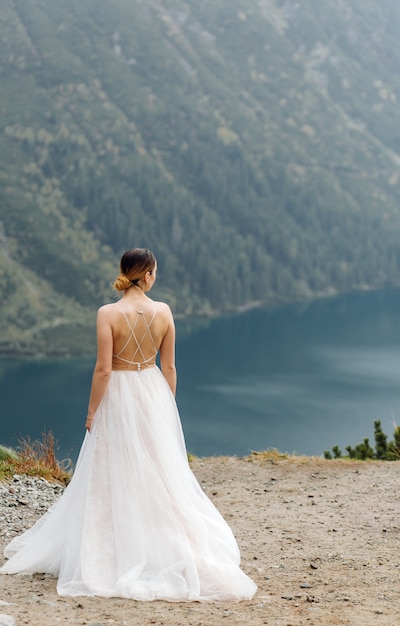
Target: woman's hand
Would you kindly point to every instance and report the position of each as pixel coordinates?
(89, 423)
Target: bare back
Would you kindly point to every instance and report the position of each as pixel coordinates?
(137, 335)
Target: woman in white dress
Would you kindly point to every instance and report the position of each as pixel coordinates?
(134, 522)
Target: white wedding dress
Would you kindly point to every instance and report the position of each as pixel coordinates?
(134, 522)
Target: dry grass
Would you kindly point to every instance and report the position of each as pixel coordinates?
(272, 454)
(35, 458)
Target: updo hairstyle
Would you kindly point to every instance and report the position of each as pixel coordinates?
(134, 265)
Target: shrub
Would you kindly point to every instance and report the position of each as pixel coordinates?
(383, 451)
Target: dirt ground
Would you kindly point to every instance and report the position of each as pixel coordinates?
(320, 538)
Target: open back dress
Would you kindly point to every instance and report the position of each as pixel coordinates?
(134, 522)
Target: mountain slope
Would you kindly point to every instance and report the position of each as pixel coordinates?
(254, 148)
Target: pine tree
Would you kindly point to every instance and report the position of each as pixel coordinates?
(381, 446)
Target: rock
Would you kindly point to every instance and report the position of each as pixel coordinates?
(23, 500)
(6, 620)
(305, 586)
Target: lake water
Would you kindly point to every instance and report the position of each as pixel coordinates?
(299, 378)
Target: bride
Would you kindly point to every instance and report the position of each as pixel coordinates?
(134, 522)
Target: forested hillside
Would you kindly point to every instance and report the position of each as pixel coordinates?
(254, 145)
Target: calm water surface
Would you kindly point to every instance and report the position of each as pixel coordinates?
(298, 378)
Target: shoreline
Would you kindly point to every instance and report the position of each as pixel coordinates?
(209, 315)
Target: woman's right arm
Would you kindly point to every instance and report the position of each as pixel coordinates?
(167, 352)
(102, 370)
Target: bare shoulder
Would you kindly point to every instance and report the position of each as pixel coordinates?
(107, 311)
(164, 309)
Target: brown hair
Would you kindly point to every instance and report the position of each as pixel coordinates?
(134, 264)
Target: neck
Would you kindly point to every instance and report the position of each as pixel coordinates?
(136, 289)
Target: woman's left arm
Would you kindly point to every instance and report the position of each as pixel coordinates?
(103, 367)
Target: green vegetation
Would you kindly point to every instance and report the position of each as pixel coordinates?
(34, 458)
(383, 451)
(254, 147)
(7, 453)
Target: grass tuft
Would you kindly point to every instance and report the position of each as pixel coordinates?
(272, 454)
(7, 453)
(35, 458)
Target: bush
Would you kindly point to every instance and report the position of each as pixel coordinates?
(383, 451)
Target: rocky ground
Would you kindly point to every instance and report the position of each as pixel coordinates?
(320, 538)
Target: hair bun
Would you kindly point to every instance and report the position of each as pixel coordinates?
(122, 282)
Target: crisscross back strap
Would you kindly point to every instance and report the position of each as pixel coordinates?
(132, 337)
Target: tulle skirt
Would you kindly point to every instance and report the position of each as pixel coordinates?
(134, 522)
